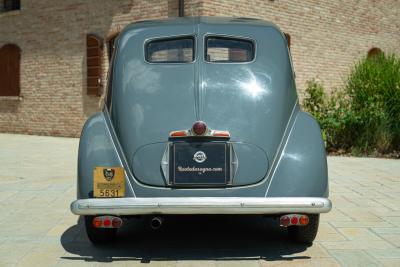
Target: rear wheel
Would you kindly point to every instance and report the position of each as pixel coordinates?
(99, 236)
(305, 234)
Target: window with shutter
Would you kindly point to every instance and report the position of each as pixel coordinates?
(10, 57)
(94, 52)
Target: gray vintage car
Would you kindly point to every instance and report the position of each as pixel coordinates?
(201, 116)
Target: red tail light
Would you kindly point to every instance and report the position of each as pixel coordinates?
(107, 222)
(199, 128)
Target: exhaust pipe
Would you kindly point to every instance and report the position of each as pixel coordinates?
(156, 223)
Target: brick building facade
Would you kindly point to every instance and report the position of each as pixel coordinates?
(55, 95)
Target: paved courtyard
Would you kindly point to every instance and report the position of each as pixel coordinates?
(37, 184)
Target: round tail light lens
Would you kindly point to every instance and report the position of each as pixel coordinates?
(107, 222)
(285, 220)
(199, 128)
(294, 220)
(304, 220)
(97, 222)
(116, 222)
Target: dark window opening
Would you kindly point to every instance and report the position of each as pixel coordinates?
(109, 86)
(10, 60)
(288, 39)
(111, 45)
(373, 52)
(227, 50)
(172, 50)
(94, 52)
(10, 5)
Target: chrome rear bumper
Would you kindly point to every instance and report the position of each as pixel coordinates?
(200, 205)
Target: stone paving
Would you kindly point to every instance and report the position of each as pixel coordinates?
(37, 184)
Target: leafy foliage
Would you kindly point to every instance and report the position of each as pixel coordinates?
(364, 116)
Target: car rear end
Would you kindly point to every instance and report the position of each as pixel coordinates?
(201, 117)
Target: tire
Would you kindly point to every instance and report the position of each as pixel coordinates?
(305, 234)
(99, 236)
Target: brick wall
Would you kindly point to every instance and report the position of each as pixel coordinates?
(52, 37)
(326, 39)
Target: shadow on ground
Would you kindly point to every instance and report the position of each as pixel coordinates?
(188, 238)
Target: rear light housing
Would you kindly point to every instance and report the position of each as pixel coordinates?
(293, 219)
(200, 129)
(107, 222)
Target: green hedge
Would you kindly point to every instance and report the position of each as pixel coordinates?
(363, 117)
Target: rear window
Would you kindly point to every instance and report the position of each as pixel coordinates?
(221, 49)
(176, 50)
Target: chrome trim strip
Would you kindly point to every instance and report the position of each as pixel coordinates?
(281, 147)
(118, 148)
(200, 205)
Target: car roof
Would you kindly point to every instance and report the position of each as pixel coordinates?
(215, 21)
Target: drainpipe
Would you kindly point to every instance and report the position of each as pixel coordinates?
(181, 8)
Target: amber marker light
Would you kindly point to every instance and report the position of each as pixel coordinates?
(221, 134)
(199, 128)
(97, 222)
(178, 134)
(304, 220)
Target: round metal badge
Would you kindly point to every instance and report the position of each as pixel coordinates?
(199, 157)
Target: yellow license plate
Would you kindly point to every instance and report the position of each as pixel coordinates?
(108, 182)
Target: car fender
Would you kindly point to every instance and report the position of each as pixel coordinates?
(96, 148)
(302, 168)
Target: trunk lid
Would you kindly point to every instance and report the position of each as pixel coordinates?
(253, 101)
